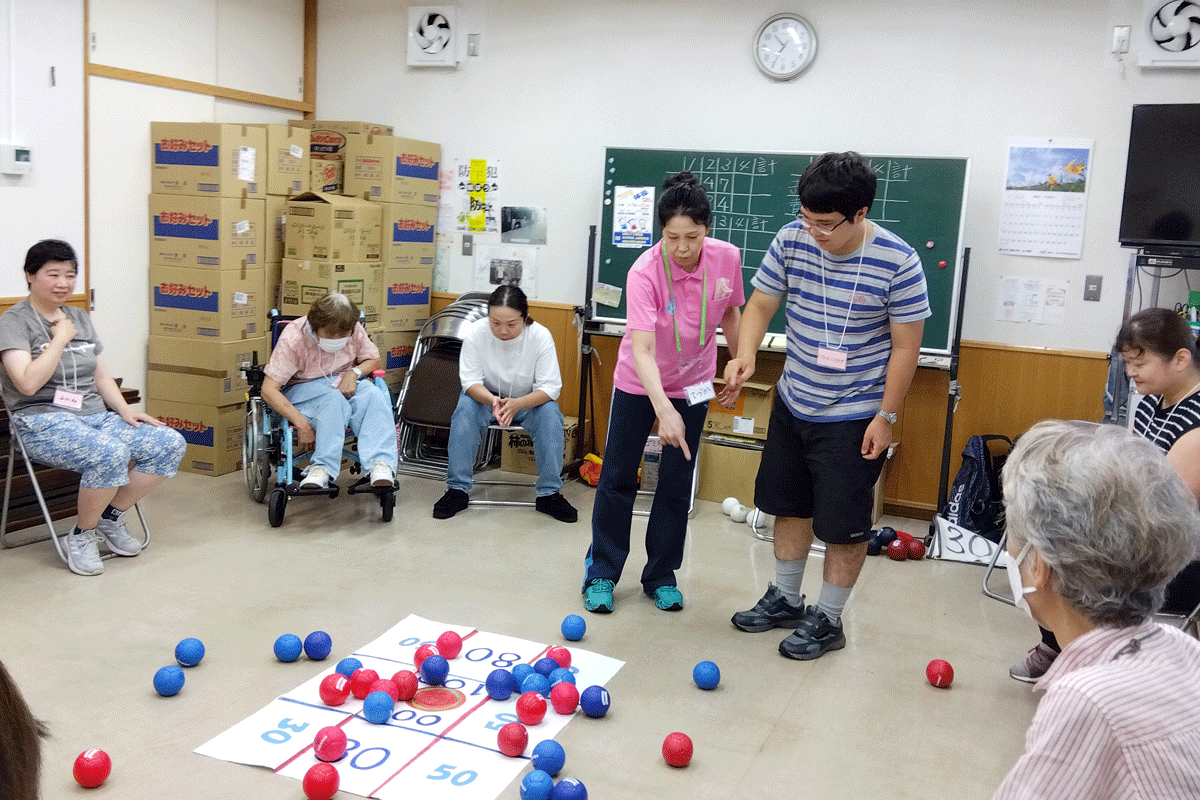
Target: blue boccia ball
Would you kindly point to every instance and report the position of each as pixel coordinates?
(537, 785)
(521, 672)
(347, 666)
(549, 757)
(434, 670)
(288, 647)
(378, 707)
(536, 683)
(573, 627)
(500, 684)
(544, 666)
(189, 652)
(569, 789)
(317, 645)
(168, 681)
(594, 701)
(560, 675)
(706, 675)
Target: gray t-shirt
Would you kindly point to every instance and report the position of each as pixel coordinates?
(22, 328)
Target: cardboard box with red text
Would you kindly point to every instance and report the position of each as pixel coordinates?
(327, 148)
(207, 304)
(516, 453)
(208, 159)
(406, 298)
(213, 434)
(206, 232)
(392, 169)
(408, 235)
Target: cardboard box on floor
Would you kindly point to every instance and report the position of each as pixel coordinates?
(288, 163)
(327, 148)
(396, 351)
(408, 235)
(206, 232)
(516, 452)
(304, 281)
(207, 372)
(748, 417)
(206, 304)
(406, 298)
(275, 227)
(329, 227)
(213, 434)
(208, 159)
(392, 169)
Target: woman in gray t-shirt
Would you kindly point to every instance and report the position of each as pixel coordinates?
(57, 387)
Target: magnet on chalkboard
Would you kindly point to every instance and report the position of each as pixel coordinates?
(929, 244)
(941, 265)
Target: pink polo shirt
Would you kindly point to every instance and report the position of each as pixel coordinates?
(646, 300)
(297, 358)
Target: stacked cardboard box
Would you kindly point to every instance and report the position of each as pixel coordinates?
(327, 148)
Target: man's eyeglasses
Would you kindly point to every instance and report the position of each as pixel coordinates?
(813, 227)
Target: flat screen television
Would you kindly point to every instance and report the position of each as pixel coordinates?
(1161, 206)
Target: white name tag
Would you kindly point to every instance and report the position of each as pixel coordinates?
(65, 399)
(700, 393)
(833, 359)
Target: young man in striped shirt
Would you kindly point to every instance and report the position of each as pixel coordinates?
(856, 309)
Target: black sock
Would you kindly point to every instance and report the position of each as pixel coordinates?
(111, 513)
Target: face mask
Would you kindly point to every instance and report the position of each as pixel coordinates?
(332, 345)
(1013, 567)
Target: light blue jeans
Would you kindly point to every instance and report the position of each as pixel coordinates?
(368, 414)
(471, 418)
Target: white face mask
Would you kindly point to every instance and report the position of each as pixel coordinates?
(1013, 567)
(332, 345)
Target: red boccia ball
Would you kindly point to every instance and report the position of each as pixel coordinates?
(334, 689)
(330, 743)
(449, 644)
(561, 655)
(897, 550)
(677, 749)
(361, 680)
(388, 686)
(321, 782)
(940, 673)
(531, 708)
(916, 549)
(424, 652)
(904, 537)
(564, 697)
(512, 739)
(92, 768)
(406, 681)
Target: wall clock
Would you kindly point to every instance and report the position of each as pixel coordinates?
(784, 46)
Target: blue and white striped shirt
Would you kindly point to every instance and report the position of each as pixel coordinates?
(832, 303)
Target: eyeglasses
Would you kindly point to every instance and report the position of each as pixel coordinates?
(812, 227)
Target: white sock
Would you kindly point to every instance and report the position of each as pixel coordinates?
(788, 577)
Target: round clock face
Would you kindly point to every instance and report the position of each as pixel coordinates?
(784, 46)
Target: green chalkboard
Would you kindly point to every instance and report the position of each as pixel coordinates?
(754, 195)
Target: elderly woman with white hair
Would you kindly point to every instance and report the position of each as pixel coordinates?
(1098, 523)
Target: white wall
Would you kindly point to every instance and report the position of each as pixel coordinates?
(557, 82)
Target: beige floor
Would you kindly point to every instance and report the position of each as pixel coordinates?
(859, 723)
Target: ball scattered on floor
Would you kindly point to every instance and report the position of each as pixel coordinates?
(565, 698)
(449, 644)
(537, 785)
(512, 739)
(317, 645)
(940, 673)
(573, 627)
(549, 756)
(729, 504)
(92, 768)
(560, 654)
(435, 669)
(531, 708)
(897, 550)
(887, 535)
(874, 545)
(386, 685)
(321, 782)
(423, 652)
(739, 513)
(168, 681)
(348, 666)
(334, 689)
(288, 647)
(361, 680)
(707, 675)
(406, 681)
(378, 707)
(559, 675)
(536, 683)
(189, 652)
(594, 700)
(677, 749)
(499, 684)
(569, 789)
(916, 549)
(904, 537)
(330, 743)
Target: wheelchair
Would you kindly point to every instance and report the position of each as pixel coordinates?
(270, 456)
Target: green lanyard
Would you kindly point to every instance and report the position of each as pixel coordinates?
(703, 303)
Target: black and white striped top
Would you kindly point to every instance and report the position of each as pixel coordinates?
(1164, 426)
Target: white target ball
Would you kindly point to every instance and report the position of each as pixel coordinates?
(758, 519)
(728, 505)
(739, 513)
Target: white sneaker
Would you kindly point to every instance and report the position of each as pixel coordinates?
(116, 536)
(317, 477)
(382, 475)
(83, 552)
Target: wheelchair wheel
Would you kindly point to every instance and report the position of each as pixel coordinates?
(276, 506)
(387, 500)
(256, 460)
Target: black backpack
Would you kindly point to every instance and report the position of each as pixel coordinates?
(975, 502)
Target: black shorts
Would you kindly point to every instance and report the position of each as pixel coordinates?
(816, 470)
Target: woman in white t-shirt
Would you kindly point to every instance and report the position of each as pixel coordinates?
(508, 368)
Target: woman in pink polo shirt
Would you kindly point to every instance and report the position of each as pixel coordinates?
(676, 294)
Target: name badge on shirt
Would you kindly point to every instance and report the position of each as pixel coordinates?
(65, 399)
(700, 393)
(833, 359)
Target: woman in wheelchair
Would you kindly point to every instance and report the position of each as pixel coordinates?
(508, 368)
(56, 387)
(312, 380)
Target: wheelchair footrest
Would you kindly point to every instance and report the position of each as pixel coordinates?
(294, 490)
(363, 486)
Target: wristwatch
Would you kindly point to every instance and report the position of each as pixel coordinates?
(358, 377)
(890, 416)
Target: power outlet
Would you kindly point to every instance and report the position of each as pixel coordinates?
(1120, 42)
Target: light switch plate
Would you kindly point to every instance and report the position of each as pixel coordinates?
(1091, 287)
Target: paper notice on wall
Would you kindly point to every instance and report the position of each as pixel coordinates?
(633, 221)
(1045, 197)
(500, 264)
(1040, 300)
(245, 163)
(447, 220)
(477, 185)
(441, 268)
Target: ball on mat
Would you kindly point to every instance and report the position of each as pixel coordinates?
(334, 689)
(348, 666)
(449, 644)
(569, 789)
(549, 756)
(560, 654)
(544, 666)
(406, 681)
(940, 673)
(500, 684)
(512, 739)
(739, 513)
(378, 707)
(565, 698)
(594, 701)
(330, 743)
(521, 672)
(317, 645)
(560, 675)
(677, 749)
(92, 768)
(424, 652)
(361, 680)
(573, 627)
(536, 683)
(288, 647)
(707, 675)
(168, 681)
(321, 782)
(536, 785)
(189, 652)
(386, 685)
(531, 708)
(435, 669)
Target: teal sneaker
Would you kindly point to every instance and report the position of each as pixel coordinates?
(597, 597)
(668, 598)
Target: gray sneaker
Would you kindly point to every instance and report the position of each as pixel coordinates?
(1035, 664)
(772, 611)
(814, 637)
(116, 536)
(83, 552)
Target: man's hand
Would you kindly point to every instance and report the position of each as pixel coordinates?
(877, 438)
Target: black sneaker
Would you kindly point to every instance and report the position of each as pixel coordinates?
(452, 502)
(815, 637)
(772, 611)
(556, 506)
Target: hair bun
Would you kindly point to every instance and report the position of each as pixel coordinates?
(684, 178)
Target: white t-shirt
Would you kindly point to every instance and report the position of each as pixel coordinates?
(512, 368)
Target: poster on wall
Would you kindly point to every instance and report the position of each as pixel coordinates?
(522, 224)
(1039, 300)
(1045, 197)
(447, 220)
(633, 222)
(477, 185)
(499, 264)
